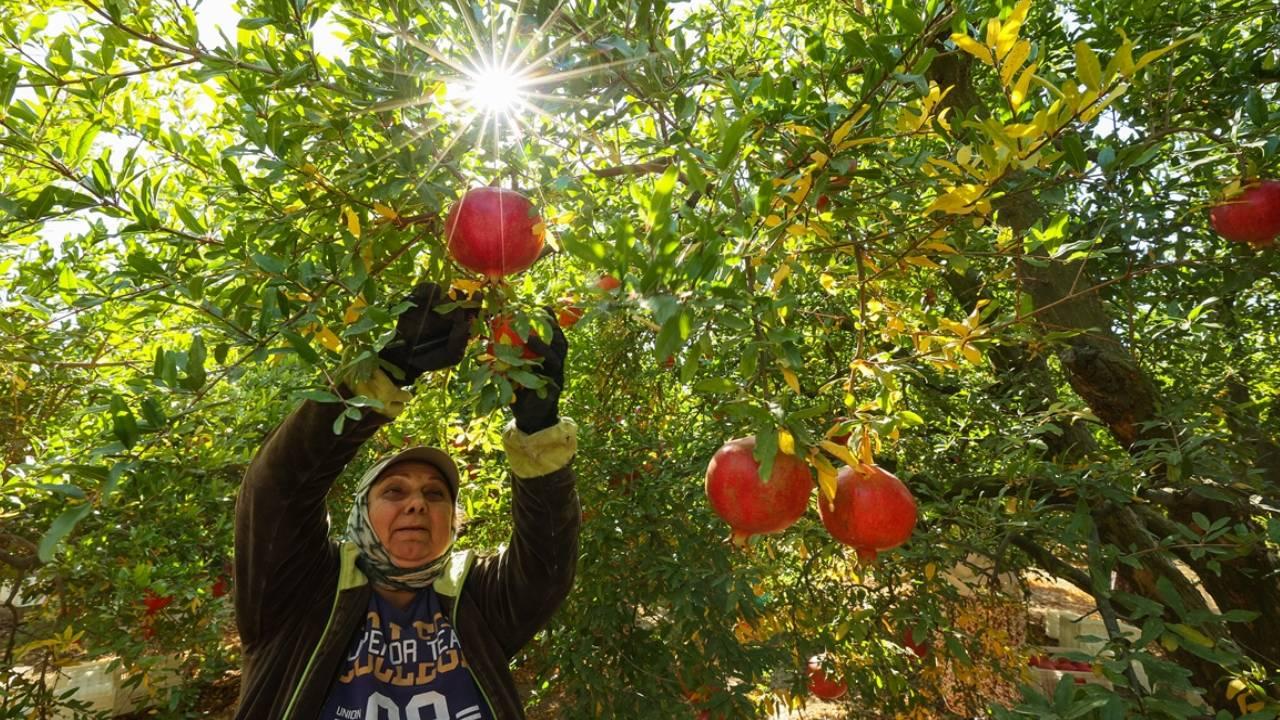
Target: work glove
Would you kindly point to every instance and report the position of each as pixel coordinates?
(539, 409)
(426, 339)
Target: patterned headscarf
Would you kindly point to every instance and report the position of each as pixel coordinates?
(374, 561)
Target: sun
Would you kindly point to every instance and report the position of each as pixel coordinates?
(493, 89)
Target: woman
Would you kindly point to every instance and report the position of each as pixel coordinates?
(389, 623)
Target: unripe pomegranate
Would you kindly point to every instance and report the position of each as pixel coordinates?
(1253, 216)
(873, 510)
(750, 506)
(494, 232)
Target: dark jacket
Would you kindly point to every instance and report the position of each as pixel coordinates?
(299, 597)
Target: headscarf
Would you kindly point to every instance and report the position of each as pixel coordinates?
(374, 561)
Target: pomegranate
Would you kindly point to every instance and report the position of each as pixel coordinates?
(822, 686)
(502, 333)
(1253, 216)
(155, 603)
(919, 649)
(750, 506)
(842, 438)
(873, 510)
(569, 314)
(494, 232)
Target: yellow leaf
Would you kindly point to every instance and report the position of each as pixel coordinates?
(847, 126)
(826, 476)
(864, 448)
(780, 276)
(1096, 108)
(1150, 57)
(793, 382)
(1019, 14)
(941, 247)
(840, 452)
(819, 159)
(1087, 66)
(922, 261)
(354, 310)
(786, 442)
(971, 353)
(1122, 61)
(856, 142)
(353, 221)
(309, 169)
(1019, 92)
(328, 339)
(797, 229)
(802, 130)
(462, 287)
(827, 282)
(385, 211)
(772, 221)
(1013, 61)
(293, 207)
(973, 47)
(930, 570)
(993, 34)
(802, 188)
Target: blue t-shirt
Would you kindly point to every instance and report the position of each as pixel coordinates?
(405, 665)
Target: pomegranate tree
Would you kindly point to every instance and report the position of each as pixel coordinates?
(873, 511)
(752, 506)
(1253, 216)
(494, 232)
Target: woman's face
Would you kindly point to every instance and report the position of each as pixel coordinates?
(411, 513)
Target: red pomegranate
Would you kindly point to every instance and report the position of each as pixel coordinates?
(750, 506)
(502, 333)
(1253, 216)
(873, 510)
(569, 314)
(919, 649)
(494, 232)
(822, 686)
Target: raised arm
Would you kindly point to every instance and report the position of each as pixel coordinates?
(283, 553)
(520, 588)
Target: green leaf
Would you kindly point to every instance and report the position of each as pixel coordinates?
(730, 140)
(233, 173)
(766, 452)
(1088, 67)
(270, 263)
(301, 346)
(123, 424)
(1073, 146)
(79, 142)
(715, 385)
(196, 356)
(64, 524)
(189, 220)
